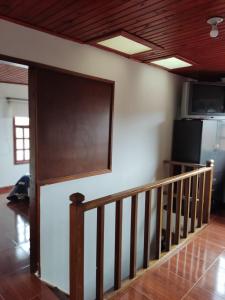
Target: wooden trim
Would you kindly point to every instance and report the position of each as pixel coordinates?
(169, 216)
(22, 162)
(72, 177)
(14, 141)
(76, 247)
(201, 199)
(147, 229)
(111, 127)
(133, 236)
(159, 222)
(17, 83)
(195, 181)
(187, 191)
(178, 211)
(208, 192)
(118, 244)
(34, 186)
(6, 189)
(100, 253)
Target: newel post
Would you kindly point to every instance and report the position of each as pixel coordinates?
(208, 191)
(76, 247)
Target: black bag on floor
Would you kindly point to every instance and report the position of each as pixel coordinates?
(20, 190)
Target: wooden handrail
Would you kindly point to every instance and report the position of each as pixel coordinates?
(128, 193)
(183, 190)
(178, 163)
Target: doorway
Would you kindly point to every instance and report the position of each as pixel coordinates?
(15, 166)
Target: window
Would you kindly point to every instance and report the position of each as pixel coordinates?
(21, 140)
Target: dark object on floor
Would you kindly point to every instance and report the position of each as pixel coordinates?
(20, 190)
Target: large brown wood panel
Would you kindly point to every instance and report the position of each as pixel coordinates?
(74, 125)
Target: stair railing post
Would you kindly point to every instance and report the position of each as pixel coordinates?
(76, 247)
(208, 191)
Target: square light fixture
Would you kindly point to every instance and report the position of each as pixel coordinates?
(125, 43)
(171, 63)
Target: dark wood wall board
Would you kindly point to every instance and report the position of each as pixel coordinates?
(74, 126)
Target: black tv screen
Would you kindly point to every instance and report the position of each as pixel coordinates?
(207, 99)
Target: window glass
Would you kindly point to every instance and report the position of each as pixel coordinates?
(26, 133)
(19, 144)
(27, 144)
(19, 155)
(22, 121)
(19, 132)
(27, 154)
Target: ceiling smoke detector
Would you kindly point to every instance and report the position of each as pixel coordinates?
(214, 23)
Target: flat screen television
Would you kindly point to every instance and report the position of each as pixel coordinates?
(203, 100)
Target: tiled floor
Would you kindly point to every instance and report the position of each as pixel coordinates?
(196, 272)
(16, 282)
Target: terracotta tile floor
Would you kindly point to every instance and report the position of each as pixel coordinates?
(196, 272)
(16, 282)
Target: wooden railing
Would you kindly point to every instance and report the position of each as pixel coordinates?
(177, 167)
(186, 195)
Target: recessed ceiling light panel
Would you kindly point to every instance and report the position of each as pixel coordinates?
(171, 63)
(125, 45)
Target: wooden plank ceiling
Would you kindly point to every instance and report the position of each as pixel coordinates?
(13, 74)
(178, 26)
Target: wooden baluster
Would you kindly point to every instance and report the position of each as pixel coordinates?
(178, 211)
(208, 191)
(100, 253)
(169, 216)
(76, 247)
(147, 229)
(186, 206)
(118, 244)
(171, 170)
(194, 202)
(133, 236)
(159, 221)
(182, 169)
(201, 199)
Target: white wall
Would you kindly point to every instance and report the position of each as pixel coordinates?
(145, 99)
(10, 172)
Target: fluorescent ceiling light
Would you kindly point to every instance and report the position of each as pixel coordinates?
(124, 44)
(171, 63)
